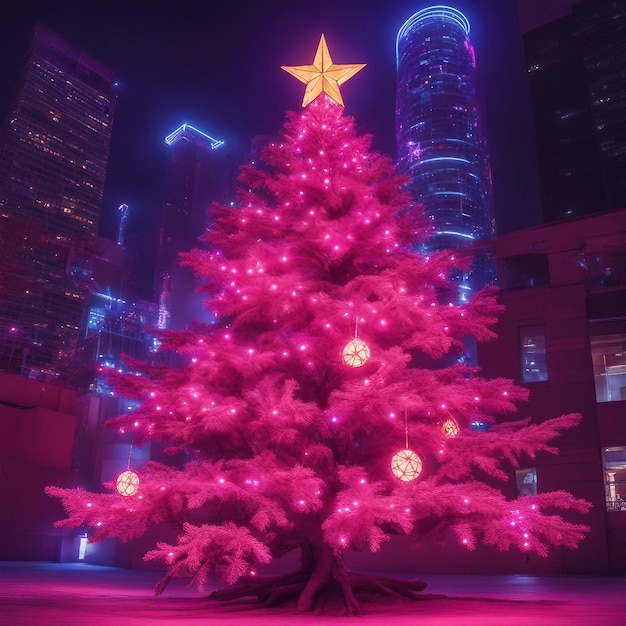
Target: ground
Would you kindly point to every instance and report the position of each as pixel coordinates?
(50, 594)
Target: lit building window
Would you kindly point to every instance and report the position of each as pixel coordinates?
(614, 460)
(526, 481)
(82, 547)
(608, 355)
(533, 354)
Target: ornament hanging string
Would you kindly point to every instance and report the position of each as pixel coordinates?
(130, 453)
(406, 429)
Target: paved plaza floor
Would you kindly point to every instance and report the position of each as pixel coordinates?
(51, 594)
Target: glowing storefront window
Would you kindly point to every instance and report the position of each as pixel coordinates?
(614, 461)
(608, 355)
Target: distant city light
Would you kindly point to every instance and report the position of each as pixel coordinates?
(106, 296)
(123, 209)
(443, 159)
(454, 233)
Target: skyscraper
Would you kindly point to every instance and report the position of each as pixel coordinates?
(577, 76)
(198, 174)
(115, 322)
(54, 149)
(441, 143)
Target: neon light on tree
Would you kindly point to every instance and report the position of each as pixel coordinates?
(291, 447)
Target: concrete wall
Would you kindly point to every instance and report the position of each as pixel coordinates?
(37, 432)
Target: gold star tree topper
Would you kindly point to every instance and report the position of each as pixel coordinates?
(323, 75)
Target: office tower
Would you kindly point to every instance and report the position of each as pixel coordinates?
(577, 76)
(54, 149)
(441, 143)
(115, 321)
(199, 173)
(115, 325)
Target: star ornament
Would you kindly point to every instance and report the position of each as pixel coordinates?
(323, 75)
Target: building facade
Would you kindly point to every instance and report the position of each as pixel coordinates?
(54, 149)
(577, 78)
(563, 336)
(440, 141)
(198, 174)
(116, 323)
(38, 426)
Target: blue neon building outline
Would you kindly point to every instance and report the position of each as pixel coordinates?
(191, 133)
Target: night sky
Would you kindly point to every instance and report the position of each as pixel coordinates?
(216, 65)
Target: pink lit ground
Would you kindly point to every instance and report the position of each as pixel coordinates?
(51, 594)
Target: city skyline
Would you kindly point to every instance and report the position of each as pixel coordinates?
(300, 267)
(207, 67)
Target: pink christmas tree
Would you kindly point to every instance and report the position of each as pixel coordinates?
(312, 421)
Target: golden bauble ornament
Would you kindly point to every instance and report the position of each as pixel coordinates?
(450, 428)
(356, 353)
(127, 483)
(406, 465)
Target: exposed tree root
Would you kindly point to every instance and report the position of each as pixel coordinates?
(312, 590)
(260, 588)
(162, 584)
(322, 577)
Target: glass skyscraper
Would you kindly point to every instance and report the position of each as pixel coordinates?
(197, 175)
(54, 149)
(577, 75)
(440, 141)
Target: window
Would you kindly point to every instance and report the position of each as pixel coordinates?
(614, 460)
(525, 271)
(533, 354)
(608, 355)
(82, 547)
(526, 481)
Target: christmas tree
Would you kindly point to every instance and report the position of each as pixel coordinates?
(318, 410)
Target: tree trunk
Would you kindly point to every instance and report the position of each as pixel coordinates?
(327, 571)
(322, 574)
